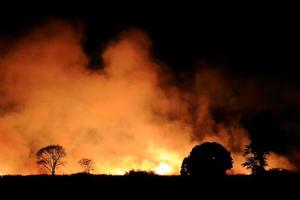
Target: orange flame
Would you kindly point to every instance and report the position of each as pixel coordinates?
(123, 116)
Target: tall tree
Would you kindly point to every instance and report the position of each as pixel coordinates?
(50, 157)
(256, 159)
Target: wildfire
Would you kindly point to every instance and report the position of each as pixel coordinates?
(163, 169)
(125, 116)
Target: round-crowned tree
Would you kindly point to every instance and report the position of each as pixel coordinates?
(50, 157)
(209, 158)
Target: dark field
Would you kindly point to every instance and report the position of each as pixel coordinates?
(141, 187)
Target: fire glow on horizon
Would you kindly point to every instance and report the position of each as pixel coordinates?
(125, 116)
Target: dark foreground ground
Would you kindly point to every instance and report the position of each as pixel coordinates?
(154, 187)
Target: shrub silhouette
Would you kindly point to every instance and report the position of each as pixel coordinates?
(50, 157)
(139, 173)
(278, 172)
(209, 158)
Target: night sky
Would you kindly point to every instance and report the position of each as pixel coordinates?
(252, 40)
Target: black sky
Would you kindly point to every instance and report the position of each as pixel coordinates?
(250, 40)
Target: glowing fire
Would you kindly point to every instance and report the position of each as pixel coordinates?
(125, 116)
(163, 169)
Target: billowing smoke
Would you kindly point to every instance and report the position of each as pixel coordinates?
(239, 110)
(126, 115)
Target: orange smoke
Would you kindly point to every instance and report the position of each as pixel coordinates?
(123, 116)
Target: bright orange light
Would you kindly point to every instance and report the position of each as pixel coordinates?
(163, 169)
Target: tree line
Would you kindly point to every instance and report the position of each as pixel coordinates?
(209, 158)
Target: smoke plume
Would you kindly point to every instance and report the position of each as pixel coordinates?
(126, 115)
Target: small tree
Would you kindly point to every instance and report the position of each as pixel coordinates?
(87, 165)
(256, 159)
(50, 157)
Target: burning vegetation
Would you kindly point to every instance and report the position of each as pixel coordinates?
(130, 113)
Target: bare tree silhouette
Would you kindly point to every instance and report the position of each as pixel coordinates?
(87, 165)
(50, 157)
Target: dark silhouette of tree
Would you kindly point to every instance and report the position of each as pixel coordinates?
(256, 159)
(209, 158)
(87, 165)
(266, 135)
(184, 167)
(50, 157)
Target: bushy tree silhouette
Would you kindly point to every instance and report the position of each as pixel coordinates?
(209, 158)
(87, 165)
(50, 157)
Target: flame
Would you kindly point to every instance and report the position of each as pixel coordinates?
(125, 116)
(163, 169)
